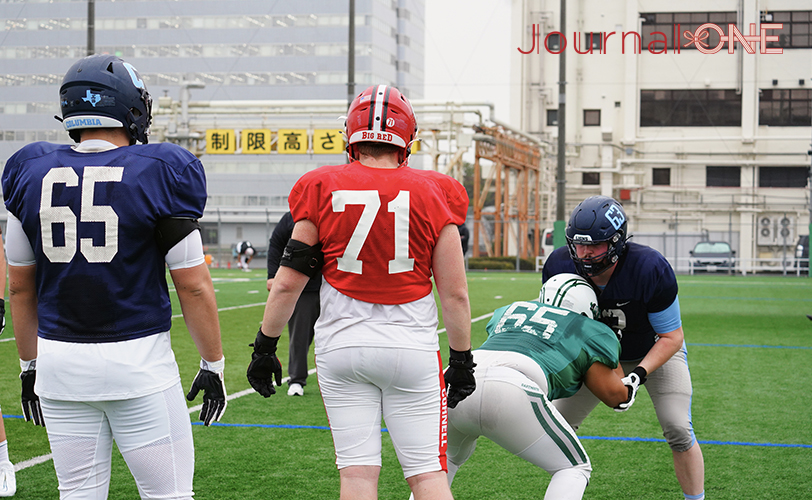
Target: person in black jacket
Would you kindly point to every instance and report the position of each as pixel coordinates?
(464, 236)
(305, 314)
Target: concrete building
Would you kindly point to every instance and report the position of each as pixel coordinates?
(696, 143)
(240, 50)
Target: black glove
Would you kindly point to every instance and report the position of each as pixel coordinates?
(264, 365)
(210, 380)
(460, 376)
(632, 381)
(30, 400)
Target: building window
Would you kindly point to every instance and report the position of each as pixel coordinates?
(785, 107)
(593, 41)
(592, 117)
(690, 108)
(553, 42)
(723, 176)
(660, 176)
(209, 234)
(783, 177)
(796, 32)
(552, 117)
(590, 178)
(655, 25)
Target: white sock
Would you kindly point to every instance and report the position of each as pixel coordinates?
(4, 451)
(701, 496)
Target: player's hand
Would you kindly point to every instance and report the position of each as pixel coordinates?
(459, 376)
(210, 380)
(264, 366)
(29, 399)
(632, 381)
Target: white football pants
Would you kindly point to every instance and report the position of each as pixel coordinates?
(513, 411)
(153, 432)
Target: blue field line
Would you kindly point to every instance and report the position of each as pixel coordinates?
(752, 345)
(269, 426)
(592, 438)
(723, 443)
(599, 438)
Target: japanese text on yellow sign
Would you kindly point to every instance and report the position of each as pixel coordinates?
(328, 141)
(221, 141)
(256, 141)
(291, 141)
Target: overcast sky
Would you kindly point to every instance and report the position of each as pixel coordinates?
(468, 52)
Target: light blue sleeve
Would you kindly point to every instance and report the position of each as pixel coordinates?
(667, 320)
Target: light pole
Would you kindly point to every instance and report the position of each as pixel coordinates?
(91, 27)
(351, 60)
(560, 176)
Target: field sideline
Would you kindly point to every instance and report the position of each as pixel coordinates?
(749, 348)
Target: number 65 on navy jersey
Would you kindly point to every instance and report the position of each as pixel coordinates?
(90, 219)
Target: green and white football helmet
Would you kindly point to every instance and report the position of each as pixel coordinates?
(571, 292)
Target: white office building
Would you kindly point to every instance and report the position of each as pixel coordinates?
(696, 143)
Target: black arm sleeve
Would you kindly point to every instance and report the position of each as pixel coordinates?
(169, 232)
(306, 259)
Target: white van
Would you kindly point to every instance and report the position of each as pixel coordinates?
(546, 243)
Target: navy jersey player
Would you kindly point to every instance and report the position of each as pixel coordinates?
(91, 230)
(637, 295)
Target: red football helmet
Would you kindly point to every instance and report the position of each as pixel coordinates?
(381, 114)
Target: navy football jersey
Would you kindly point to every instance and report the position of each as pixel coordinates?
(90, 219)
(643, 282)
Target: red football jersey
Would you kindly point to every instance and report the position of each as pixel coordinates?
(378, 227)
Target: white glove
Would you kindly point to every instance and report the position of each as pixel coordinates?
(632, 381)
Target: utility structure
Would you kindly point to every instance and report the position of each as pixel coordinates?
(512, 162)
(521, 184)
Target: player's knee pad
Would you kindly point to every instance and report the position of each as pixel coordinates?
(679, 438)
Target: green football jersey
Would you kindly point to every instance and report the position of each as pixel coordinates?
(563, 343)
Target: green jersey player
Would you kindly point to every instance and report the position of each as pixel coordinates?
(538, 351)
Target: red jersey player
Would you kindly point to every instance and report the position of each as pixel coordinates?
(381, 231)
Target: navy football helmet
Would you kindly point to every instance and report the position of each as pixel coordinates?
(102, 91)
(597, 219)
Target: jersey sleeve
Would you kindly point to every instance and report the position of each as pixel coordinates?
(303, 199)
(602, 345)
(456, 197)
(190, 192)
(660, 289)
(14, 194)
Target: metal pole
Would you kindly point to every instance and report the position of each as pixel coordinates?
(560, 176)
(219, 238)
(91, 27)
(518, 245)
(351, 60)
